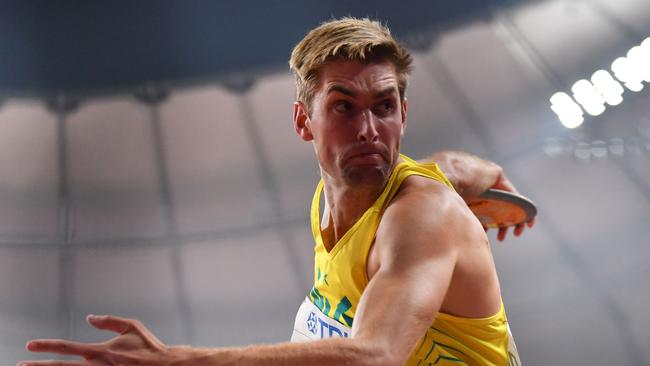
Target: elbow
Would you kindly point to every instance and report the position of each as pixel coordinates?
(391, 360)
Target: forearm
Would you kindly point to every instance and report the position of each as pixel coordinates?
(469, 174)
(328, 352)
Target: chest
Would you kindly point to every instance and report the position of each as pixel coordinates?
(341, 274)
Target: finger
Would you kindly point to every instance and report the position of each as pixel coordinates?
(504, 183)
(53, 363)
(122, 326)
(112, 323)
(502, 233)
(519, 229)
(62, 347)
(531, 222)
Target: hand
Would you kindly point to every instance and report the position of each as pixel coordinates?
(503, 183)
(135, 345)
(472, 176)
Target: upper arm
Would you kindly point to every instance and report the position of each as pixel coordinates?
(417, 244)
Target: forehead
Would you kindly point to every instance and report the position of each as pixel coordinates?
(358, 76)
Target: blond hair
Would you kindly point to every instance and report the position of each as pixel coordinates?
(351, 39)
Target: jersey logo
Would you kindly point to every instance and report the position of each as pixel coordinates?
(321, 328)
(332, 330)
(311, 324)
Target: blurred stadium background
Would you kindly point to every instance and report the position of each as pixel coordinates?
(149, 169)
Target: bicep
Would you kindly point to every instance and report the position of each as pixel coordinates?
(403, 297)
(397, 307)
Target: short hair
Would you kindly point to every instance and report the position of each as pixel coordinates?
(353, 39)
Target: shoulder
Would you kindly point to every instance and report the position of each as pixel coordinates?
(426, 213)
(427, 201)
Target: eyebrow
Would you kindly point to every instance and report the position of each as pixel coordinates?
(386, 92)
(340, 89)
(349, 92)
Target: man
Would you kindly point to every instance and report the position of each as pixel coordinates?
(403, 272)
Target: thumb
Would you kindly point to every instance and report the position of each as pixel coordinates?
(504, 184)
(109, 322)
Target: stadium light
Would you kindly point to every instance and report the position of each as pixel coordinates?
(631, 70)
(569, 113)
(585, 93)
(609, 88)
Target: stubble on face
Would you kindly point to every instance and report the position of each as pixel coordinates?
(367, 174)
(351, 94)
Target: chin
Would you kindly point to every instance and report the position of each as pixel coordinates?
(366, 175)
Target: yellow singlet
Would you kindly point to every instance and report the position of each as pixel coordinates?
(340, 278)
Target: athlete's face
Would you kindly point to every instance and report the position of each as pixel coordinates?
(356, 121)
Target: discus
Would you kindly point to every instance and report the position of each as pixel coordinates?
(496, 208)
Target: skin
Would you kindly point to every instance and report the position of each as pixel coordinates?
(425, 263)
(356, 124)
(472, 175)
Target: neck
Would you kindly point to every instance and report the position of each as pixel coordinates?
(345, 204)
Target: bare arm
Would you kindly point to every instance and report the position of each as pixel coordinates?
(403, 297)
(471, 176)
(404, 294)
(417, 255)
(136, 345)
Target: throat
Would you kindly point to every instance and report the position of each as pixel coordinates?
(343, 210)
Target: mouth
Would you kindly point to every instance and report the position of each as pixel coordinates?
(367, 156)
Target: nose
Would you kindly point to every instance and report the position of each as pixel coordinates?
(367, 128)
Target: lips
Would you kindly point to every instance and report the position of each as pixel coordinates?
(365, 153)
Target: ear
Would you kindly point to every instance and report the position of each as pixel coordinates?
(301, 122)
(404, 109)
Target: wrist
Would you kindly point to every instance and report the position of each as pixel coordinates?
(183, 355)
(194, 356)
(472, 175)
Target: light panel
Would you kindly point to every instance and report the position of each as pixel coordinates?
(628, 74)
(592, 95)
(609, 88)
(585, 93)
(567, 110)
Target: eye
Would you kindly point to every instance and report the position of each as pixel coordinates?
(342, 106)
(385, 107)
